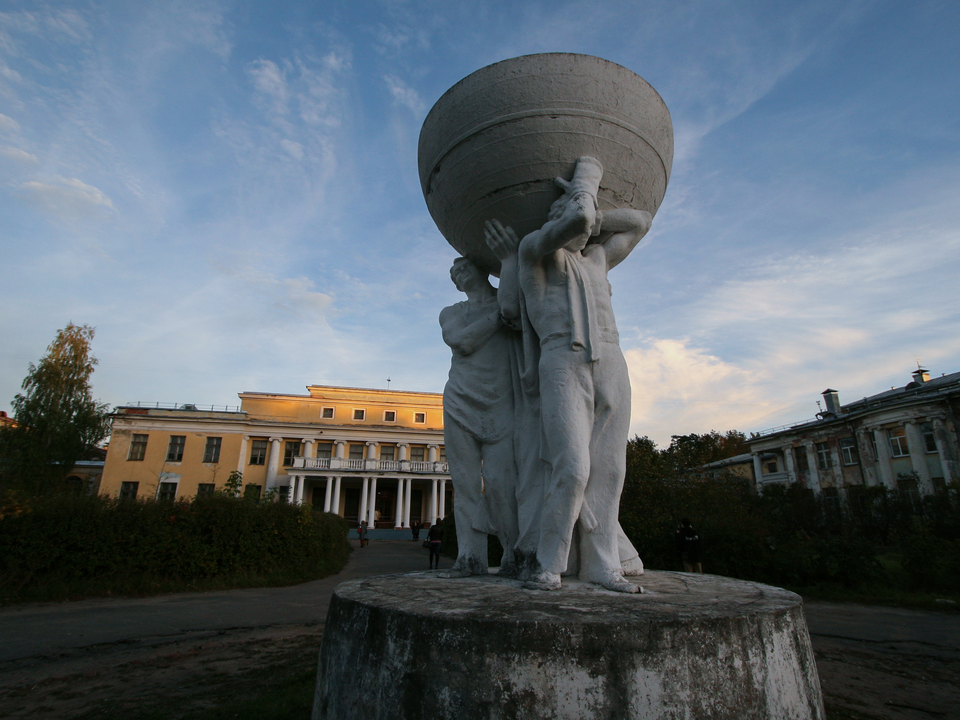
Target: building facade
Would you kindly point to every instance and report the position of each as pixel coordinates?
(374, 455)
(904, 438)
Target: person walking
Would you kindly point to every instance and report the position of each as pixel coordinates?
(362, 533)
(435, 536)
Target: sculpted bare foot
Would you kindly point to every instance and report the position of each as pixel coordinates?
(632, 567)
(543, 581)
(465, 568)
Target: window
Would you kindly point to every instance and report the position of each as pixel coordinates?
(356, 452)
(324, 450)
(290, 450)
(138, 448)
(898, 442)
(873, 444)
(771, 467)
(420, 417)
(211, 453)
(848, 451)
(416, 453)
(359, 414)
(128, 490)
(326, 413)
(258, 452)
(443, 454)
(823, 455)
(167, 491)
(175, 448)
(387, 452)
(389, 415)
(284, 493)
(800, 454)
(205, 489)
(251, 492)
(929, 441)
(831, 499)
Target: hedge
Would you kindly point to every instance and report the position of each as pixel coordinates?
(97, 544)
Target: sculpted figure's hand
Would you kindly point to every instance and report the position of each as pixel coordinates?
(502, 240)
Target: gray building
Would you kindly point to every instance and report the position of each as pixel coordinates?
(903, 438)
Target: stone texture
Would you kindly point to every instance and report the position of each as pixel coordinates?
(493, 143)
(691, 647)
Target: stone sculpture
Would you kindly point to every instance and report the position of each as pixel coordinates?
(565, 394)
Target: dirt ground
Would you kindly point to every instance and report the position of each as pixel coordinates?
(170, 679)
(895, 681)
(861, 680)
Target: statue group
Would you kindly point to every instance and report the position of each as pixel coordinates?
(537, 405)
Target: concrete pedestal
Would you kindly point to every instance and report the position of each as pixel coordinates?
(691, 647)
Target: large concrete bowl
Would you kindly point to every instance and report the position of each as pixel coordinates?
(493, 143)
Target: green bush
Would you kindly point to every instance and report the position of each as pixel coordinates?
(97, 544)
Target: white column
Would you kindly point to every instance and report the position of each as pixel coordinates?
(328, 495)
(432, 452)
(362, 513)
(372, 510)
(813, 467)
(432, 510)
(943, 449)
(443, 498)
(402, 451)
(788, 464)
(918, 457)
(868, 462)
(397, 517)
(335, 502)
(372, 449)
(301, 487)
(408, 486)
(296, 489)
(883, 457)
(309, 448)
(242, 462)
(273, 462)
(758, 471)
(340, 449)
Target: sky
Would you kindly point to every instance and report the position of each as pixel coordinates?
(228, 192)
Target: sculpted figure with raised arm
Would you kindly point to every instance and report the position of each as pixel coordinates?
(584, 388)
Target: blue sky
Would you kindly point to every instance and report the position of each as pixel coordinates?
(228, 192)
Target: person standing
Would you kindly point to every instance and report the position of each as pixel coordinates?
(688, 547)
(435, 536)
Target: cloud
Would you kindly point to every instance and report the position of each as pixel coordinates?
(405, 95)
(67, 197)
(12, 153)
(8, 125)
(678, 388)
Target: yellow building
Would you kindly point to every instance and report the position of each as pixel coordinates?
(374, 455)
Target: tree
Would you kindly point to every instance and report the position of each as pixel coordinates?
(57, 420)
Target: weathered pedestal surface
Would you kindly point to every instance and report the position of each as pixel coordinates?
(693, 646)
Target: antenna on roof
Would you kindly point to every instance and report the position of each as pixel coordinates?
(918, 362)
(388, 383)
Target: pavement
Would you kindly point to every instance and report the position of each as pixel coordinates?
(29, 631)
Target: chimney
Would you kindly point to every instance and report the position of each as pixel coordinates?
(832, 401)
(920, 376)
